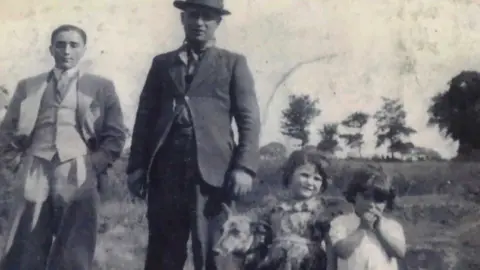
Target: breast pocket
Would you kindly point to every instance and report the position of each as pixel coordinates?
(221, 87)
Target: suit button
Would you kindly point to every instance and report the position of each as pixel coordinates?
(187, 98)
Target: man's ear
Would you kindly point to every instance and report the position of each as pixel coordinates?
(84, 50)
(182, 18)
(51, 50)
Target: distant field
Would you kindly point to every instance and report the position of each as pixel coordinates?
(438, 206)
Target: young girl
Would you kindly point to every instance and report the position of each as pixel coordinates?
(296, 219)
(368, 238)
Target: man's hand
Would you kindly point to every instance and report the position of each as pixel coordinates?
(102, 178)
(136, 184)
(241, 182)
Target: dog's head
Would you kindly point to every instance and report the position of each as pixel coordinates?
(239, 233)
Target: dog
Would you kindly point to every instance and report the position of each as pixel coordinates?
(245, 237)
(249, 239)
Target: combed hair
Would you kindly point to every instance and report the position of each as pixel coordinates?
(367, 176)
(68, 27)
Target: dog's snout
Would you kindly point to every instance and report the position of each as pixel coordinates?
(217, 251)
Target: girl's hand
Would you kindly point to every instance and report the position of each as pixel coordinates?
(377, 216)
(370, 218)
(367, 220)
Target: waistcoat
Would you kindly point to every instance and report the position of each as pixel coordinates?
(56, 130)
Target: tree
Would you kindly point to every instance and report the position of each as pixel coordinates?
(4, 100)
(4, 96)
(299, 115)
(355, 121)
(392, 128)
(274, 150)
(456, 112)
(329, 141)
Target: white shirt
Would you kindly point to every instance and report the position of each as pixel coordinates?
(369, 255)
(70, 72)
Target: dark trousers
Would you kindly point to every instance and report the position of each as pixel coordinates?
(180, 203)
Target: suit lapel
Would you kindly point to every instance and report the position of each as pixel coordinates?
(205, 69)
(30, 106)
(177, 72)
(85, 98)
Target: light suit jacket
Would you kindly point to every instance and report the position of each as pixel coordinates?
(99, 118)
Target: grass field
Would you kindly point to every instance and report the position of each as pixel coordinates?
(438, 206)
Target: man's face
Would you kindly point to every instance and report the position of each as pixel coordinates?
(67, 49)
(200, 24)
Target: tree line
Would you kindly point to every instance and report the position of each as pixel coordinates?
(392, 129)
(455, 112)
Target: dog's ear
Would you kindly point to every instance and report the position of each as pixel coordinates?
(227, 209)
(233, 208)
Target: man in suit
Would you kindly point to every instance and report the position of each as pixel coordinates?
(183, 156)
(67, 128)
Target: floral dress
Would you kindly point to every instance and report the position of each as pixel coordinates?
(298, 229)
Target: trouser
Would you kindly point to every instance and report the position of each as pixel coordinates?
(55, 221)
(180, 203)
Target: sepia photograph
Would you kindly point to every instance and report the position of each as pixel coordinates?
(239, 135)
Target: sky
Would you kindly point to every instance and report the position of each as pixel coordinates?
(368, 49)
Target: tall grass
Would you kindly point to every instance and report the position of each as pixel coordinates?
(434, 199)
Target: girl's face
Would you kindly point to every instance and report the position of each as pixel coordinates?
(306, 182)
(371, 200)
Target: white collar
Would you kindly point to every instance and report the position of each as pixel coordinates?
(184, 50)
(69, 72)
(311, 205)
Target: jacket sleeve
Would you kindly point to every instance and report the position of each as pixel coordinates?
(138, 155)
(113, 134)
(247, 117)
(10, 145)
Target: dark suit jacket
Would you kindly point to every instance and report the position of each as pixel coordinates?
(99, 117)
(222, 90)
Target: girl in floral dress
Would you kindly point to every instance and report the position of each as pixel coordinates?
(298, 218)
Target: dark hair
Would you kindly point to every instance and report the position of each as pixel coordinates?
(303, 157)
(368, 176)
(68, 27)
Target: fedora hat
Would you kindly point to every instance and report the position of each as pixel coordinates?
(216, 5)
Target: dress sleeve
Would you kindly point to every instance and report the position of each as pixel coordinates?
(338, 229)
(394, 228)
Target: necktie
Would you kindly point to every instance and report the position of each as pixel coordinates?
(62, 86)
(191, 67)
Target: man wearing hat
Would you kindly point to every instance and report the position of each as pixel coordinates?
(184, 159)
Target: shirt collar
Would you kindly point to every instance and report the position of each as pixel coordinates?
(184, 50)
(311, 205)
(69, 72)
